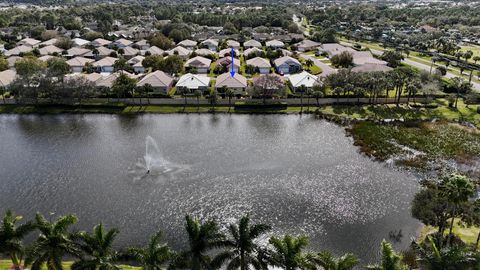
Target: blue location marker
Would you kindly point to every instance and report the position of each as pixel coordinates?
(232, 72)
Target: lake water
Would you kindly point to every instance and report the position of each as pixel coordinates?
(299, 174)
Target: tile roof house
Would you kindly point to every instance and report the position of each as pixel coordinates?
(49, 50)
(211, 44)
(275, 44)
(100, 42)
(233, 44)
(51, 41)
(252, 44)
(18, 50)
(302, 79)
(45, 58)
(201, 64)
(29, 42)
(263, 65)
(7, 77)
(129, 52)
(160, 81)
(252, 51)
(332, 49)
(228, 51)
(77, 51)
(12, 60)
(107, 81)
(307, 45)
(102, 52)
(154, 50)
(227, 62)
(180, 51)
(287, 65)
(366, 57)
(188, 44)
(204, 52)
(237, 83)
(121, 43)
(193, 82)
(78, 63)
(105, 65)
(136, 63)
(142, 44)
(80, 42)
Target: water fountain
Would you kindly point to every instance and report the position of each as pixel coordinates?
(154, 166)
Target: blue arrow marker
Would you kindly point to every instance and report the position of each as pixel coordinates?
(232, 72)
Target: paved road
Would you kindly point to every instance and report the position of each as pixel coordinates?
(425, 67)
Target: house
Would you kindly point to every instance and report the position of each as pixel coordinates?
(49, 50)
(154, 50)
(252, 44)
(365, 57)
(108, 80)
(105, 65)
(233, 44)
(92, 77)
(307, 45)
(227, 63)
(193, 82)
(211, 44)
(142, 45)
(188, 44)
(371, 68)
(160, 81)
(262, 64)
(237, 83)
(76, 51)
(51, 41)
(204, 52)
(129, 52)
(18, 50)
(100, 42)
(99, 52)
(332, 49)
(275, 44)
(12, 60)
(80, 42)
(121, 43)
(302, 79)
(201, 64)
(136, 63)
(287, 65)
(228, 52)
(252, 52)
(180, 51)
(7, 77)
(78, 63)
(30, 42)
(45, 58)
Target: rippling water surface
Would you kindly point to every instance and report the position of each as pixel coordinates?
(300, 174)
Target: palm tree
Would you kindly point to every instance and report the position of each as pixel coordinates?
(97, 250)
(213, 98)
(309, 63)
(198, 94)
(319, 92)
(52, 244)
(302, 88)
(390, 259)
(287, 252)
(154, 255)
(326, 260)
(11, 237)
(202, 238)
(431, 257)
(457, 189)
(230, 94)
(242, 249)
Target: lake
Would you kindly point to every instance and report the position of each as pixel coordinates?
(300, 174)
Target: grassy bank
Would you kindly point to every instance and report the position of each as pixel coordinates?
(441, 140)
(468, 235)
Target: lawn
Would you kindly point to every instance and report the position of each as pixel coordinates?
(468, 235)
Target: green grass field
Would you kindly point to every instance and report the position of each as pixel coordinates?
(467, 234)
